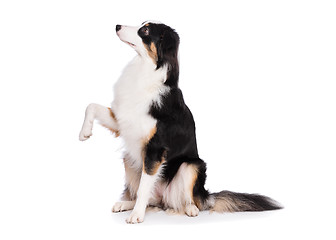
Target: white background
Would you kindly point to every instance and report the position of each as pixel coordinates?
(259, 77)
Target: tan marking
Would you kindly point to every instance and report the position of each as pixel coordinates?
(198, 203)
(112, 114)
(228, 204)
(152, 52)
(192, 184)
(224, 205)
(149, 136)
(145, 141)
(154, 170)
(147, 25)
(114, 131)
(157, 165)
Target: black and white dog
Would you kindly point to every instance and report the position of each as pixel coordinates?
(161, 161)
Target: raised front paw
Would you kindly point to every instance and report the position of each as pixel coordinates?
(85, 133)
(135, 217)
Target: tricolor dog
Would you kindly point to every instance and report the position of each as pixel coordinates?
(161, 160)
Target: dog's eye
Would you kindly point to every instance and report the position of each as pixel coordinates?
(146, 31)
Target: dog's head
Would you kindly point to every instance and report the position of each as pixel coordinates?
(154, 40)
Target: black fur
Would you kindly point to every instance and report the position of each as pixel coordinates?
(166, 41)
(248, 202)
(174, 142)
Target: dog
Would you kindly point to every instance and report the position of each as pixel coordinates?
(162, 165)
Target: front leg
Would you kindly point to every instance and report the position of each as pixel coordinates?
(152, 167)
(144, 193)
(104, 115)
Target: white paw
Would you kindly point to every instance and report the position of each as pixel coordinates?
(135, 217)
(191, 210)
(122, 206)
(117, 207)
(86, 133)
(171, 211)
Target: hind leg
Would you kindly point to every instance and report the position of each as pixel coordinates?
(123, 206)
(184, 193)
(132, 180)
(189, 175)
(191, 210)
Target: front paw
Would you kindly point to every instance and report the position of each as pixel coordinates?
(85, 133)
(135, 217)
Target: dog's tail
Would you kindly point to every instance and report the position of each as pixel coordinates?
(226, 201)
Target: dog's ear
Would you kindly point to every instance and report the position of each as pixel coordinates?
(168, 48)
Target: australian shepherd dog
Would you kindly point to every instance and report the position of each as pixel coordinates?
(162, 165)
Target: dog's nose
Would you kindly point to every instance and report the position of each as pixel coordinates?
(118, 27)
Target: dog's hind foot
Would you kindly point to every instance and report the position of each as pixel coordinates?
(191, 210)
(123, 206)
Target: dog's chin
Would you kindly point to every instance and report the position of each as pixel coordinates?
(129, 44)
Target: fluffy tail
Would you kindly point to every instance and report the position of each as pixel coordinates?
(226, 201)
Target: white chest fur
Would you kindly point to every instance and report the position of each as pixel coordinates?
(139, 86)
